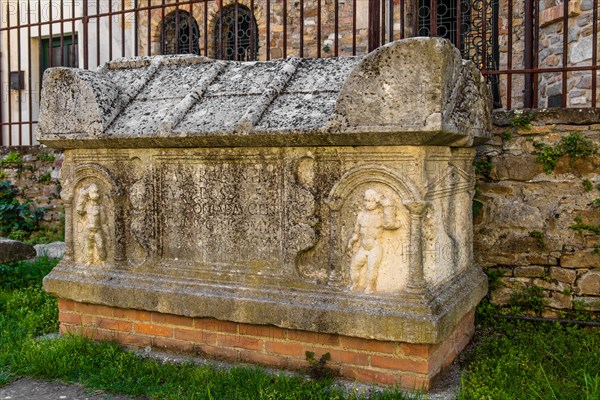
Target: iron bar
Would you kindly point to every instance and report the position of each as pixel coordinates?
(191, 42)
(205, 29)
(122, 28)
(85, 22)
(285, 24)
(19, 90)
(336, 27)
(97, 34)
(268, 34)
(176, 26)
(594, 50)
(390, 20)
(149, 28)
(354, 27)
(509, 56)
(136, 38)
(528, 56)
(433, 18)
(382, 30)
(536, 52)
(301, 52)
(235, 30)
(8, 90)
(252, 32)
(110, 31)
(401, 19)
(318, 28)
(73, 44)
(374, 9)
(565, 75)
(29, 77)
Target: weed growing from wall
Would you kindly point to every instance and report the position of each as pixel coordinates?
(574, 145)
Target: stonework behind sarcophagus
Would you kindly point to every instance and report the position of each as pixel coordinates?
(264, 193)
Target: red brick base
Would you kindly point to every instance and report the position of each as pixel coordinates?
(411, 366)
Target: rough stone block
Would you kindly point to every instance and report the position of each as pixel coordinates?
(13, 250)
(581, 259)
(589, 283)
(530, 271)
(563, 275)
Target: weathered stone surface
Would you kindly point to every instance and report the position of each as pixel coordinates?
(184, 101)
(533, 271)
(247, 195)
(563, 275)
(286, 232)
(581, 259)
(519, 168)
(50, 250)
(560, 300)
(13, 250)
(589, 283)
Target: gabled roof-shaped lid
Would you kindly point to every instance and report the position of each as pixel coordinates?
(411, 92)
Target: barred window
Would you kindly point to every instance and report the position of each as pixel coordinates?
(179, 34)
(236, 34)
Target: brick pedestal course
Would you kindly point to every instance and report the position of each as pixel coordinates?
(411, 366)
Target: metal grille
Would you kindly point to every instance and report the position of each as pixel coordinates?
(531, 51)
(236, 34)
(180, 34)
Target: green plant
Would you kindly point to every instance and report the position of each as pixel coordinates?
(540, 238)
(477, 208)
(13, 158)
(326, 48)
(507, 135)
(45, 177)
(596, 202)
(3, 174)
(521, 120)
(577, 146)
(529, 299)
(548, 156)
(483, 167)
(17, 220)
(587, 185)
(494, 277)
(581, 227)
(316, 367)
(574, 145)
(46, 157)
(598, 186)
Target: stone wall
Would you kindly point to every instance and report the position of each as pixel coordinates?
(537, 234)
(34, 171)
(550, 51)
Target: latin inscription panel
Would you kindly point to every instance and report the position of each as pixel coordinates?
(223, 214)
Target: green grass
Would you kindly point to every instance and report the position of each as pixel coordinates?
(533, 360)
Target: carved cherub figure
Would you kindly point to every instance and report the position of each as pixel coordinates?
(89, 208)
(378, 214)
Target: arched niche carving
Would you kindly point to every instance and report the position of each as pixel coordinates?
(94, 217)
(370, 230)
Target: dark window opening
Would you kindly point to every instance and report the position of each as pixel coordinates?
(180, 34)
(236, 34)
(67, 57)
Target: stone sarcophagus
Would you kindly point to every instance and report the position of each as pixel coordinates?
(259, 210)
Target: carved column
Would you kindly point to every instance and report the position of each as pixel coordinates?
(416, 276)
(68, 231)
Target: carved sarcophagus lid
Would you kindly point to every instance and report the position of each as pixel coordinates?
(328, 195)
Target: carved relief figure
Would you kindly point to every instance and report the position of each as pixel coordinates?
(90, 210)
(141, 223)
(378, 214)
